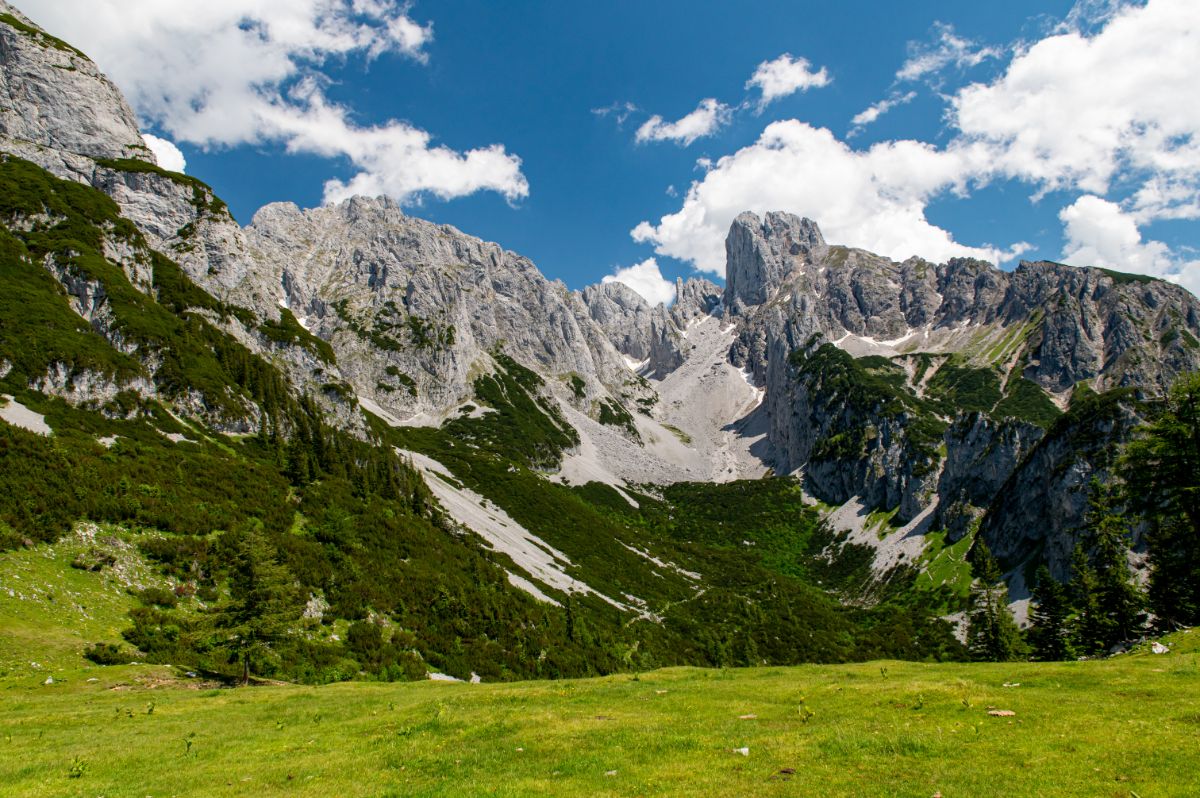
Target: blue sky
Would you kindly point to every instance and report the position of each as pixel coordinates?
(1024, 129)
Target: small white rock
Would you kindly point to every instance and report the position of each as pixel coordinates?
(744, 751)
(1159, 648)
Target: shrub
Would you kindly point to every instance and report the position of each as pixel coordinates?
(109, 654)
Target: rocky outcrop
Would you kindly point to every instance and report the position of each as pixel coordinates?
(761, 253)
(63, 114)
(647, 336)
(1040, 510)
(981, 454)
(414, 309)
(953, 368)
(58, 110)
(1073, 323)
(695, 298)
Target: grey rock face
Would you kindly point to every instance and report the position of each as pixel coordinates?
(623, 315)
(184, 220)
(414, 309)
(760, 254)
(653, 336)
(1048, 323)
(981, 454)
(63, 114)
(643, 334)
(695, 298)
(57, 103)
(1041, 508)
(1082, 323)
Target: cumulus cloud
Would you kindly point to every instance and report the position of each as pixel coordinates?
(646, 279)
(231, 72)
(1099, 233)
(874, 199)
(873, 112)
(926, 60)
(707, 119)
(1092, 106)
(1074, 111)
(784, 76)
(166, 153)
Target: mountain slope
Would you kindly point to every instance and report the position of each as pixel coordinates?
(913, 385)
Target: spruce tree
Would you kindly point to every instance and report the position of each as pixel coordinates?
(992, 634)
(1083, 592)
(264, 601)
(1050, 632)
(1118, 595)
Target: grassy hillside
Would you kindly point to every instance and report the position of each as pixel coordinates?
(1121, 727)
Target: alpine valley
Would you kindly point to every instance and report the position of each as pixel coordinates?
(344, 443)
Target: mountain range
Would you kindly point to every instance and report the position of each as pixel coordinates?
(516, 478)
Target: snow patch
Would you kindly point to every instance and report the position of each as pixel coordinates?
(635, 366)
(759, 393)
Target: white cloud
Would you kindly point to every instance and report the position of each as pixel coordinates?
(874, 199)
(166, 153)
(1102, 101)
(785, 75)
(619, 110)
(1074, 111)
(230, 72)
(708, 117)
(873, 112)
(948, 49)
(647, 280)
(1099, 233)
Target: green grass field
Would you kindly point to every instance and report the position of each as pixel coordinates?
(1122, 727)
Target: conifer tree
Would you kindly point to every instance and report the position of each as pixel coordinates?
(264, 601)
(1050, 632)
(1118, 595)
(1083, 592)
(992, 634)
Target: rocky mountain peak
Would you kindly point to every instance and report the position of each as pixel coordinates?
(761, 253)
(59, 110)
(695, 297)
(415, 310)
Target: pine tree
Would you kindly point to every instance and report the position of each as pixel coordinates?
(992, 634)
(264, 601)
(1050, 630)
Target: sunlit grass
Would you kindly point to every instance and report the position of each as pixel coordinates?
(1119, 727)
